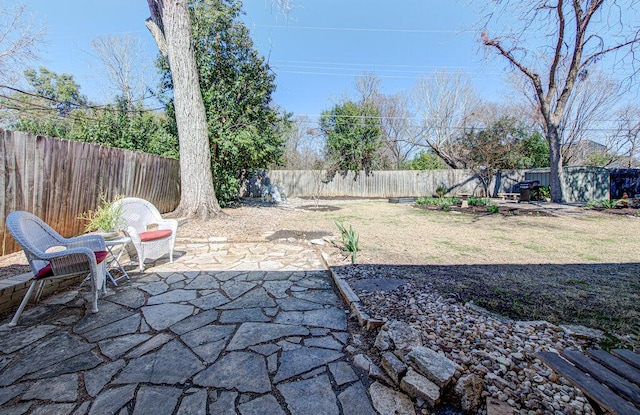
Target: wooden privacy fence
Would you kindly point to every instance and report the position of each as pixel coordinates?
(580, 184)
(58, 180)
(397, 183)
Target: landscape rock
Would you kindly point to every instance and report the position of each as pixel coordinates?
(496, 407)
(582, 332)
(397, 335)
(468, 392)
(388, 401)
(420, 387)
(436, 367)
(394, 367)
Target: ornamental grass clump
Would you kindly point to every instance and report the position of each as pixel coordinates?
(106, 218)
(349, 240)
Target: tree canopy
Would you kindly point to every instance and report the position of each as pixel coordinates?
(353, 136)
(505, 144)
(245, 130)
(576, 34)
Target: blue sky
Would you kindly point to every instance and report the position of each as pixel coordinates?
(316, 52)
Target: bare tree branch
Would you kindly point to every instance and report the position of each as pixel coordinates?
(573, 50)
(20, 39)
(119, 57)
(445, 104)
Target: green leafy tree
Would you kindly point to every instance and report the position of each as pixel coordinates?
(353, 136)
(533, 149)
(60, 90)
(46, 107)
(245, 130)
(601, 159)
(505, 144)
(426, 160)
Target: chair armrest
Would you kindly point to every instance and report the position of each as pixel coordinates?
(93, 242)
(53, 256)
(133, 234)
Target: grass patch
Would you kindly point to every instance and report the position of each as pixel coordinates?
(535, 248)
(573, 281)
(592, 258)
(437, 201)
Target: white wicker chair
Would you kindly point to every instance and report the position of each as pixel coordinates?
(51, 256)
(137, 216)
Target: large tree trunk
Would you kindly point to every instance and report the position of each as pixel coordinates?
(170, 26)
(555, 158)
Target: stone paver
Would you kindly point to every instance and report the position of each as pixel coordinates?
(253, 328)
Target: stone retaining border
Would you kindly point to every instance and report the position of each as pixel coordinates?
(352, 299)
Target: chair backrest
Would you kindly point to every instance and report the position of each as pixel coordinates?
(33, 235)
(138, 213)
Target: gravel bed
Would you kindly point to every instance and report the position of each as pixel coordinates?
(500, 351)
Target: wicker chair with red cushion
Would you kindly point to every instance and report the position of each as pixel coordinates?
(151, 235)
(51, 256)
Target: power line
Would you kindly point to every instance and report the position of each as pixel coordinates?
(374, 64)
(317, 73)
(76, 105)
(366, 29)
(414, 122)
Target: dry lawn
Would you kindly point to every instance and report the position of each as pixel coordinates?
(577, 266)
(402, 234)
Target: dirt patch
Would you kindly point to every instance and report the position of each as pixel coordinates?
(13, 264)
(503, 210)
(297, 235)
(622, 211)
(319, 208)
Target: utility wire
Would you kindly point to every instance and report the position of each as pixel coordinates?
(107, 107)
(365, 29)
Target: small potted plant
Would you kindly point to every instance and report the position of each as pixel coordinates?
(106, 220)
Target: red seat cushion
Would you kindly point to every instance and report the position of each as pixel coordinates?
(153, 235)
(46, 271)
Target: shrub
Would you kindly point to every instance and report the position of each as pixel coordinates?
(478, 201)
(606, 204)
(540, 193)
(493, 208)
(437, 201)
(441, 190)
(446, 207)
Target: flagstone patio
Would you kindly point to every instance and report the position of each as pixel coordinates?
(243, 328)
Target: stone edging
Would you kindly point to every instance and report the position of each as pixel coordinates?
(352, 299)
